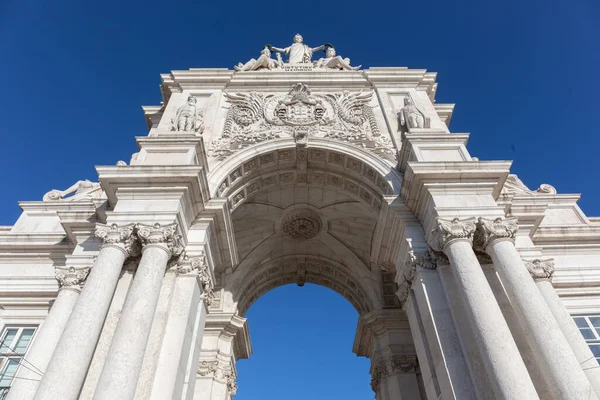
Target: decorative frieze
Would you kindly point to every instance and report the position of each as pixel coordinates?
(71, 277)
(541, 269)
(123, 237)
(490, 230)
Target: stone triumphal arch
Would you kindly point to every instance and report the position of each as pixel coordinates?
(293, 171)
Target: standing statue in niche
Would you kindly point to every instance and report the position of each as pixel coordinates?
(298, 52)
(334, 61)
(411, 116)
(264, 61)
(188, 117)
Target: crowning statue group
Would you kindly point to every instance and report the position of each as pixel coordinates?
(298, 53)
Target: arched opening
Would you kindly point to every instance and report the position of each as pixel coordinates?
(302, 339)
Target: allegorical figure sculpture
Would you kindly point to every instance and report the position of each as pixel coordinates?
(80, 190)
(188, 117)
(411, 116)
(334, 61)
(264, 61)
(298, 52)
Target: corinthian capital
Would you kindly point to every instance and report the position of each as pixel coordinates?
(162, 235)
(491, 230)
(541, 269)
(70, 277)
(452, 230)
(122, 237)
(198, 266)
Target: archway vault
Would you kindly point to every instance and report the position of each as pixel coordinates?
(306, 214)
(301, 269)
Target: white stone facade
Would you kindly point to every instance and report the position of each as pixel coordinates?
(465, 280)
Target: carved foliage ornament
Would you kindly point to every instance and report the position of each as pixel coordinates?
(399, 364)
(120, 236)
(158, 234)
(299, 114)
(451, 230)
(415, 260)
(541, 269)
(490, 230)
(199, 266)
(302, 225)
(210, 369)
(71, 278)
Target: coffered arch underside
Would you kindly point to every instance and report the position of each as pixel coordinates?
(324, 163)
(300, 269)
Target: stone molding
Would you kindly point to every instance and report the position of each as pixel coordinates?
(394, 365)
(491, 230)
(449, 231)
(122, 237)
(541, 269)
(71, 278)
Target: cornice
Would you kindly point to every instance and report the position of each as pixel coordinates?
(402, 77)
(318, 80)
(422, 179)
(194, 78)
(376, 323)
(154, 177)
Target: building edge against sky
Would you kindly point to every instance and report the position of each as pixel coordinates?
(468, 284)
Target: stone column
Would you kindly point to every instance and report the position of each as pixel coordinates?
(542, 272)
(70, 281)
(444, 345)
(191, 297)
(558, 363)
(70, 361)
(121, 370)
(499, 352)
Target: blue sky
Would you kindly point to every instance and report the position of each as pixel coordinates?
(524, 76)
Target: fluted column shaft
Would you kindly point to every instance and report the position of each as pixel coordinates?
(73, 354)
(542, 272)
(121, 370)
(48, 335)
(509, 376)
(564, 375)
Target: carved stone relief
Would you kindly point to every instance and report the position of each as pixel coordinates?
(256, 117)
(78, 191)
(188, 117)
(302, 225)
(515, 185)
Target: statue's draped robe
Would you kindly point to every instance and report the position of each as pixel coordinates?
(296, 53)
